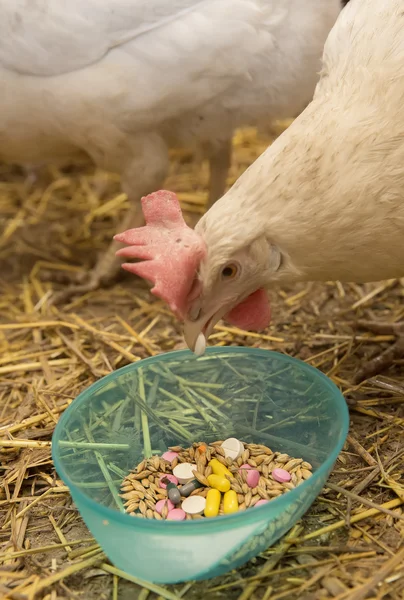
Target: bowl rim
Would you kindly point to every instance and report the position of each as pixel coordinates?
(220, 523)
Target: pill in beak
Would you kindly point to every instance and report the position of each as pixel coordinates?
(200, 345)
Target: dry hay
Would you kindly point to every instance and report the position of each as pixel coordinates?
(345, 548)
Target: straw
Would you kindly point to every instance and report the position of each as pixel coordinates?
(57, 226)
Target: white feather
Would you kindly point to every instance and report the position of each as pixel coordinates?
(328, 193)
(94, 76)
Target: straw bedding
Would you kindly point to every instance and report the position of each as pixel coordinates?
(350, 544)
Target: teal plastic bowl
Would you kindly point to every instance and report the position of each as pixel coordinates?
(255, 395)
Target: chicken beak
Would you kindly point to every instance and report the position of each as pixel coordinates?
(203, 325)
(192, 331)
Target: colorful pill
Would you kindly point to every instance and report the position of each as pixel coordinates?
(171, 478)
(169, 455)
(253, 477)
(160, 505)
(212, 503)
(176, 514)
(233, 448)
(218, 468)
(189, 487)
(219, 483)
(281, 475)
(184, 472)
(230, 502)
(246, 466)
(261, 502)
(194, 505)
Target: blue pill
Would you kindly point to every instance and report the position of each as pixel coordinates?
(173, 493)
(189, 487)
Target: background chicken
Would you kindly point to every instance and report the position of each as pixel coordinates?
(121, 81)
(324, 202)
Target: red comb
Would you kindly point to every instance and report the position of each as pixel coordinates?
(171, 250)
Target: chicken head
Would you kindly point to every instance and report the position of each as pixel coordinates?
(199, 288)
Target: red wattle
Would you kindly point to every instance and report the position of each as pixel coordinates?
(253, 314)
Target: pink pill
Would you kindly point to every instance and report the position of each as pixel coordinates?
(281, 475)
(253, 477)
(261, 502)
(176, 514)
(245, 466)
(170, 477)
(169, 455)
(160, 505)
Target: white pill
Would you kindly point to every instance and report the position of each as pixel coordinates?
(183, 472)
(200, 345)
(194, 505)
(233, 448)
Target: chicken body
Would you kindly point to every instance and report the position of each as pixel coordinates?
(120, 81)
(328, 194)
(326, 200)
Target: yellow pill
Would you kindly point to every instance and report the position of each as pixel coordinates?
(218, 468)
(219, 483)
(212, 503)
(230, 502)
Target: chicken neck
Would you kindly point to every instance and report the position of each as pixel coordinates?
(325, 195)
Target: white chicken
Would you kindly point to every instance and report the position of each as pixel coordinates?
(121, 81)
(324, 202)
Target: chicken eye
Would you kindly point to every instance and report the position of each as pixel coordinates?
(229, 271)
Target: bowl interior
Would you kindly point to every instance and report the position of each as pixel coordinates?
(254, 395)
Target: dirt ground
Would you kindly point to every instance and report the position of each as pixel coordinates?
(348, 546)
